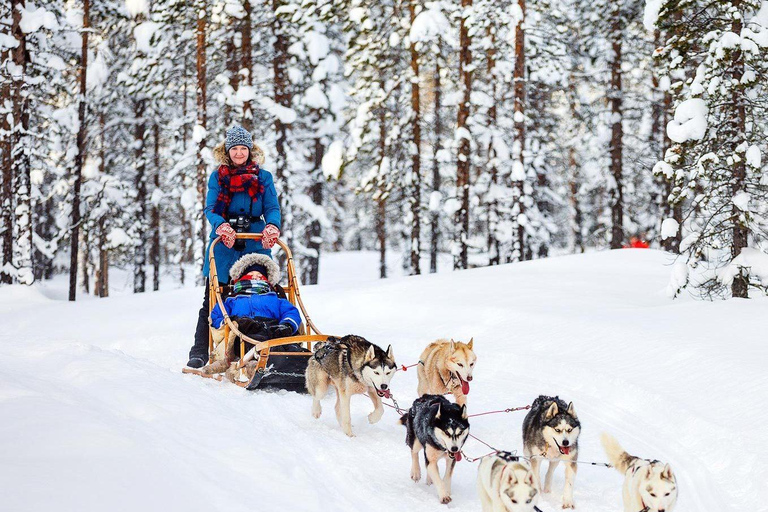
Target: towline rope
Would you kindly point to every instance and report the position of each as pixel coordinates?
(511, 409)
(401, 411)
(405, 368)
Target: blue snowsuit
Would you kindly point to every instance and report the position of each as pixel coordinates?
(267, 305)
(264, 210)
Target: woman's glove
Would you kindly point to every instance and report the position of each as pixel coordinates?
(227, 234)
(269, 236)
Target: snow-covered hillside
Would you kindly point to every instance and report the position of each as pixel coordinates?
(96, 415)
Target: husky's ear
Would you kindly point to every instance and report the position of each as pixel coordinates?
(369, 354)
(464, 414)
(453, 345)
(390, 355)
(552, 411)
(666, 473)
(571, 410)
(437, 414)
(509, 473)
(469, 345)
(529, 478)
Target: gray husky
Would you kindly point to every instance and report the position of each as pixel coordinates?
(551, 430)
(352, 365)
(440, 428)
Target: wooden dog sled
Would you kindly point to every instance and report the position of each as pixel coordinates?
(268, 352)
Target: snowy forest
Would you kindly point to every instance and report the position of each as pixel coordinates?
(493, 131)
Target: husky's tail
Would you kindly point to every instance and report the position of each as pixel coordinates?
(619, 458)
(407, 422)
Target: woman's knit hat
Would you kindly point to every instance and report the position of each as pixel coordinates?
(238, 136)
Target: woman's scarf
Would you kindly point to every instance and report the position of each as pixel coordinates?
(239, 179)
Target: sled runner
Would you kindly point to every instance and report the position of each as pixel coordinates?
(276, 363)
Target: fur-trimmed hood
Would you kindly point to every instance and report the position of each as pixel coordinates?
(241, 265)
(221, 156)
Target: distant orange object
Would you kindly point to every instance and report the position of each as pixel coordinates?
(637, 243)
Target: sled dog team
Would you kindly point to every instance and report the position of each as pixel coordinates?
(352, 365)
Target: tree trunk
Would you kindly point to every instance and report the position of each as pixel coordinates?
(233, 66)
(381, 214)
(282, 97)
(80, 156)
(518, 148)
(415, 198)
(577, 219)
(311, 268)
(6, 197)
(381, 235)
(140, 253)
(85, 260)
(493, 205)
(617, 133)
(154, 252)
(463, 163)
(20, 147)
(247, 64)
(740, 285)
(435, 227)
(100, 287)
(202, 122)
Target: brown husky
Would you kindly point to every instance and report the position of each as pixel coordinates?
(446, 366)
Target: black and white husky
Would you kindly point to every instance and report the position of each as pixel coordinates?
(440, 428)
(551, 430)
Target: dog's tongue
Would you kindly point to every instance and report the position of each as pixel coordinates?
(464, 386)
(565, 449)
(457, 456)
(386, 393)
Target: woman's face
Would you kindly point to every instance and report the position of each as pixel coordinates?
(238, 154)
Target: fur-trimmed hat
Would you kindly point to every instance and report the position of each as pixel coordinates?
(242, 266)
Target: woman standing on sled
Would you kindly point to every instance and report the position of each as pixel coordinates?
(241, 197)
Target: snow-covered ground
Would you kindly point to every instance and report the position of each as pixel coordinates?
(96, 415)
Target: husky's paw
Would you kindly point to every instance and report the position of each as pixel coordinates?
(316, 410)
(429, 480)
(375, 415)
(445, 499)
(348, 431)
(547, 488)
(568, 503)
(416, 475)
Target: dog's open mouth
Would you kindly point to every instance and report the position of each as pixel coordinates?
(455, 455)
(564, 450)
(383, 393)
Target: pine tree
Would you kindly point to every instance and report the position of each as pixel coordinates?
(719, 142)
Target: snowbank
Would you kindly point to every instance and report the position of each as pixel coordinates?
(95, 409)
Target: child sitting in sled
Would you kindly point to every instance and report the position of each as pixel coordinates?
(254, 307)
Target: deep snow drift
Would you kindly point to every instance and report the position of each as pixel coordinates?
(96, 415)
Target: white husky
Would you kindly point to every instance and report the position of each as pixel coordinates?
(505, 484)
(649, 486)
